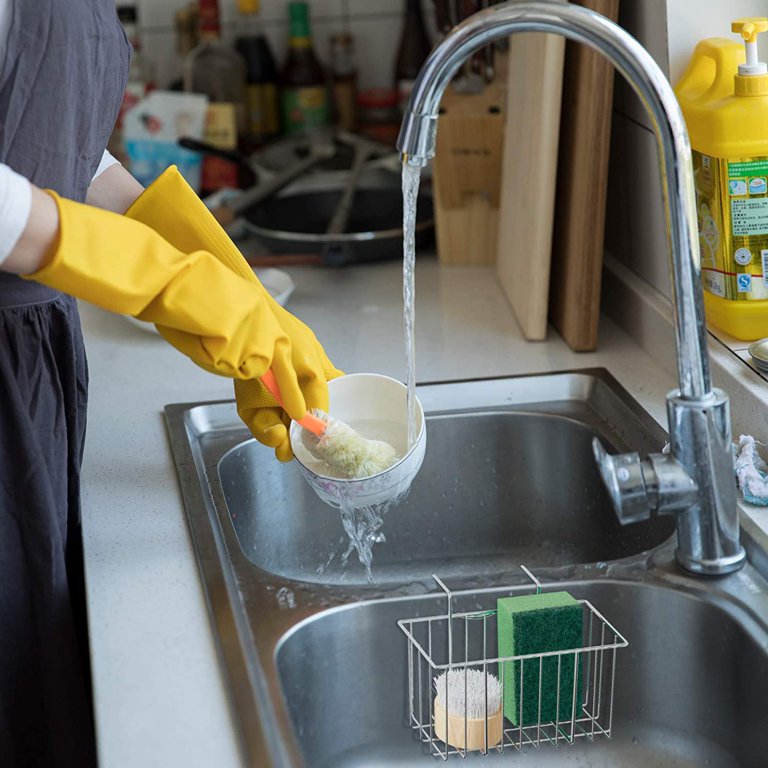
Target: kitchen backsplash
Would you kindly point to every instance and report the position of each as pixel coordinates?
(669, 29)
(374, 24)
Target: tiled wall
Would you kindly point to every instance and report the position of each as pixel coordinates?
(374, 24)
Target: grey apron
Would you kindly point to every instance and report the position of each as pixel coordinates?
(62, 77)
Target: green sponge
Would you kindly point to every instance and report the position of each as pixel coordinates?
(550, 621)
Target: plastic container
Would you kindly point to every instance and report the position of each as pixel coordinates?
(724, 98)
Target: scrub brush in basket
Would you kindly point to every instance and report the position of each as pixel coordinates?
(349, 455)
(467, 706)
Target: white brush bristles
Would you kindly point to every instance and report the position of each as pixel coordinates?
(468, 692)
(347, 452)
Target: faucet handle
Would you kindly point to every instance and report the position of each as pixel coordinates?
(624, 479)
(659, 484)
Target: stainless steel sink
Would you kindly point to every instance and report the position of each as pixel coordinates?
(505, 479)
(689, 689)
(314, 659)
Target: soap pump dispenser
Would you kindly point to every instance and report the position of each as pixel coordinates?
(724, 98)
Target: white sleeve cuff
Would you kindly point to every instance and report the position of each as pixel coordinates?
(107, 161)
(15, 205)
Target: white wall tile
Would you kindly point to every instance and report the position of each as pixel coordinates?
(158, 13)
(376, 48)
(158, 46)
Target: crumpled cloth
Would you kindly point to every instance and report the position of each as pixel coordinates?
(751, 471)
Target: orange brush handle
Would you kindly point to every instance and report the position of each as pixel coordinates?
(308, 421)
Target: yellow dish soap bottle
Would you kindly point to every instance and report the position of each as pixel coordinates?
(724, 98)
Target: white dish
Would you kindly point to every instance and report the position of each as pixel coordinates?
(279, 284)
(357, 398)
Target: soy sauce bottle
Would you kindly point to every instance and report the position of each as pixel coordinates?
(304, 99)
(262, 111)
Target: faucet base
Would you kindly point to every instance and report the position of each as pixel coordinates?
(721, 566)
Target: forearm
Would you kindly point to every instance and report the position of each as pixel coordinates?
(113, 190)
(28, 224)
(29, 218)
(34, 248)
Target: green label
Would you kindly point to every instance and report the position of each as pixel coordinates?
(305, 108)
(748, 168)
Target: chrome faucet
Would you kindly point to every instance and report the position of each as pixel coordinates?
(695, 480)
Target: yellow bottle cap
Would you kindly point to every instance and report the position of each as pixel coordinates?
(752, 79)
(750, 27)
(248, 6)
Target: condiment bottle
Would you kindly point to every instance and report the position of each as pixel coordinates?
(140, 77)
(218, 71)
(262, 113)
(185, 27)
(304, 99)
(724, 98)
(344, 79)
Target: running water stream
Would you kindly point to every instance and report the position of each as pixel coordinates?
(411, 178)
(363, 523)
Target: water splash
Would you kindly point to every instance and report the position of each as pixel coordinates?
(363, 526)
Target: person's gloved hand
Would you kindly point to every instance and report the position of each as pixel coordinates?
(266, 420)
(221, 321)
(171, 207)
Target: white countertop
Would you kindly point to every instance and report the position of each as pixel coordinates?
(159, 694)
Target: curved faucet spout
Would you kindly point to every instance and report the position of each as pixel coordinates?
(418, 134)
(708, 532)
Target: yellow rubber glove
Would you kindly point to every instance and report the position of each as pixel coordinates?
(200, 306)
(171, 207)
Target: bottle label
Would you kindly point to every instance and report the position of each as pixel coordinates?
(732, 211)
(305, 109)
(263, 118)
(344, 101)
(220, 131)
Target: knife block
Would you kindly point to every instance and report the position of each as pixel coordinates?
(467, 174)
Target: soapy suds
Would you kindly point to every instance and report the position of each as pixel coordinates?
(350, 454)
(387, 431)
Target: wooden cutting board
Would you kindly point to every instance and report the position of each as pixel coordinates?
(582, 182)
(528, 176)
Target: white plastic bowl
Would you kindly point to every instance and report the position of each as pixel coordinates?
(355, 399)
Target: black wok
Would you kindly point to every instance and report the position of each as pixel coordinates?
(296, 223)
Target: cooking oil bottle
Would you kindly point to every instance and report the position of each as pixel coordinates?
(724, 98)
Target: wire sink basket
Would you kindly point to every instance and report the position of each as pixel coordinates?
(458, 685)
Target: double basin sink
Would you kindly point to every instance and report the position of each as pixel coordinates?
(316, 665)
